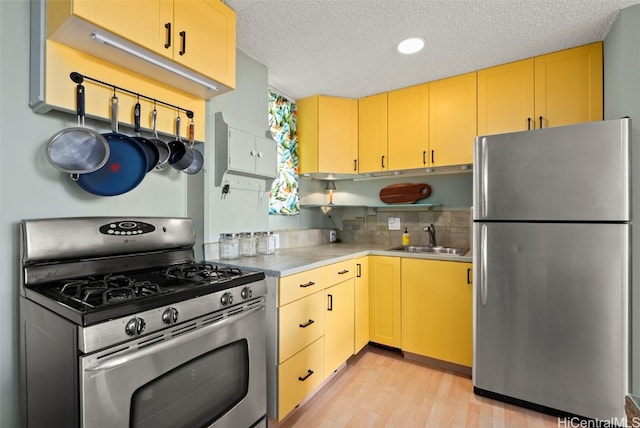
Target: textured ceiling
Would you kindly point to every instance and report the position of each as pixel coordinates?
(348, 48)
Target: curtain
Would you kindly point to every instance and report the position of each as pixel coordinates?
(282, 123)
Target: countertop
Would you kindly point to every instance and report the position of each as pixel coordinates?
(293, 260)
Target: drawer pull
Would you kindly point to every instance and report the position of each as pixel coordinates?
(342, 272)
(330, 308)
(468, 276)
(307, 324)
(305, 377)
(308, 284)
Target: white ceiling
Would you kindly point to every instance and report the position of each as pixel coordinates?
(348, 48)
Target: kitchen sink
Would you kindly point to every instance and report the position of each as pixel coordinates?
(433, 250)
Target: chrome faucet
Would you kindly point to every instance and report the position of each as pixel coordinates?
(431, 230)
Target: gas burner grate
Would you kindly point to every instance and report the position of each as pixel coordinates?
(109, 290)
(202, 272)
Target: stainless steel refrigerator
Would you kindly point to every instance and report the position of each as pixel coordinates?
(551, 252)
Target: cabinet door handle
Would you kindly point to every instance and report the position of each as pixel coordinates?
(540, 122)
(303, 378)
(308, 284)
(330, 308)
(307, 324)
(358, 270)
(424, 157)
(167, 45)
(382, 163)
(432, 157)
(183, 38)
(528, 124)
(468, 275)
(355, 164)
(342, 272)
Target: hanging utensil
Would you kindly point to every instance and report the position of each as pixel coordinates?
(78, 150)
(163, 148)
(126, 167)
(148, 145)
(198, 160)
(181, 155)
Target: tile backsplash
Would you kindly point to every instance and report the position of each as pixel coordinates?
(453, 228)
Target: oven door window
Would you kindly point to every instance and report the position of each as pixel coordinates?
(196, 393)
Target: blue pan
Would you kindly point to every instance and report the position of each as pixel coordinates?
(125, 168)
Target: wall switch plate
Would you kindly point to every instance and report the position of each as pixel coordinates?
(394, 223)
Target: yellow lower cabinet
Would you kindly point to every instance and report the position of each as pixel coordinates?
(301, 284)
(384, 300)
(339, 325)
(300, 323)
(437, 310)
(361, 296)
(299, 376)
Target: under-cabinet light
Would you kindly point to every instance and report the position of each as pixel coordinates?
(108, 41)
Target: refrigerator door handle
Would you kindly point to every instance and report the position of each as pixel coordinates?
(480, 172)
(483, 265)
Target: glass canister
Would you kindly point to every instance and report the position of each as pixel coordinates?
(225, 246)
(248, 244)
(235, 245)
(271, 243)
(261, 242)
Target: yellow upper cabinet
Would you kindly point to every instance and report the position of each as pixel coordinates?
(138, 21)
(452, 120)
(199, 35)
(568, 86)
(505, 98)
(327, 135)
(560, 88)
(204, 38)
(372, 133)
(408, 127)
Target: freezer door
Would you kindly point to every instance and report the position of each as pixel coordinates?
(550, 315)
(572, 173)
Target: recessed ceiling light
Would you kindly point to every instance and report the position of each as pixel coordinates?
(411, 45)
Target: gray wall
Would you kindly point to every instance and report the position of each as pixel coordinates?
(31, 188)
(622, 98)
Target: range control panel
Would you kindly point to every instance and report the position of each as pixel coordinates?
(126, 227)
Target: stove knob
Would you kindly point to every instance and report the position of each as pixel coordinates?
(226, 299)
(135, 326)
(170, 316)
(246, 293)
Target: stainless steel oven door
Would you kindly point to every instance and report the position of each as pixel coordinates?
(207, 373)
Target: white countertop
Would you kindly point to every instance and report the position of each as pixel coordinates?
(293, 260)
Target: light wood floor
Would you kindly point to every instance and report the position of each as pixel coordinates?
(379, 388)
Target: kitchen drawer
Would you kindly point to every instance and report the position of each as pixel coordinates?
(299, 285)
(299, 376)
(301, 323)
(341, 271)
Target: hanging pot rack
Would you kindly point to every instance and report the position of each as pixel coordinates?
(79, 78)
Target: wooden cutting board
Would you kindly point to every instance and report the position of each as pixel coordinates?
(404, 193)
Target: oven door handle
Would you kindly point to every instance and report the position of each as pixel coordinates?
(127, 357)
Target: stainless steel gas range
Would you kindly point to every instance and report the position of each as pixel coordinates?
(121, 327)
